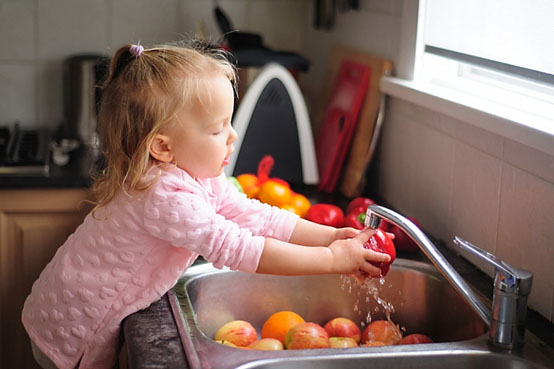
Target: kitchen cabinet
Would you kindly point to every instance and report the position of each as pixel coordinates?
(33, 224)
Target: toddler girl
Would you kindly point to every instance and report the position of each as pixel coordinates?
(163, 200)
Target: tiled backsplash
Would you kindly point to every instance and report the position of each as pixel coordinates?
(457, 179)
(36, 35)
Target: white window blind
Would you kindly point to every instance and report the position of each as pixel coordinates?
(516, 36)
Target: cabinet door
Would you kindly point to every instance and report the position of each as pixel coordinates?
(29, 239)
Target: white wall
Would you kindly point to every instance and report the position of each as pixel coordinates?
(35, 37)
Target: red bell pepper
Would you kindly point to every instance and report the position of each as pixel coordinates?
(356, 218)
(381, 242)
(359, 202)
(326, 214)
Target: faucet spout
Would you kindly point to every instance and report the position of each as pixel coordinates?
(374, 212)
(506, 320)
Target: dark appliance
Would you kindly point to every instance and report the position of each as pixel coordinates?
(24, 151)
(83, 75)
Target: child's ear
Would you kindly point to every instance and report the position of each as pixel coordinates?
(160, 149)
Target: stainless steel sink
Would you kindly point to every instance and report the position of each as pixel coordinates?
(205, 298)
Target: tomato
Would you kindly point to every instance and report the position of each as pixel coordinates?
(326, 214)
(299, 203)
(359, 202)
(274, 193)
(250, 184)
(381, 242)
(415, 338)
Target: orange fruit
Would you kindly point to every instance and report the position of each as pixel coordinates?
(250, 185)
(274, 193)
(279, 323)
(300, 203)
(291, 208)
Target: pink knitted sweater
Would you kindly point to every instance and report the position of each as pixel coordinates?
(132, 252)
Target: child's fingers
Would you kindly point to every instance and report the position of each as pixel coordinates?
(376, 256)
(371, 269)
(391, 235)
(349, 232)
(364, 235)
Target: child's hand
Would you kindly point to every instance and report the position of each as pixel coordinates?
(344, 233)
(349, 256)
(349, 232)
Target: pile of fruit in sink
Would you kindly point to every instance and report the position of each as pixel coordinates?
(288, 330)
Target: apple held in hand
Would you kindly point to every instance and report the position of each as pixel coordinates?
(415, 338)
(381, 242)
(238, 332)
(342, 342)
(267, 344)
(307, 335)
(383, 331)
(343, 327)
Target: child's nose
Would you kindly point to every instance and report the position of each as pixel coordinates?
(232, 135)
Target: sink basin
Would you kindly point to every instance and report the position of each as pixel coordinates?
(205, 298)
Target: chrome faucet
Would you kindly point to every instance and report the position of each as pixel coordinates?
(506, 320)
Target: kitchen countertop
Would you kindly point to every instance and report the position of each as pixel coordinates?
(76, 174)
(152, 339)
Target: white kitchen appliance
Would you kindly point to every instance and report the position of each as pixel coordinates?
(272, 119)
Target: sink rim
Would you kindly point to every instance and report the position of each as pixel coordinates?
(477, 353)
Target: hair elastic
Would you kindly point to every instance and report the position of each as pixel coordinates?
(136, 50)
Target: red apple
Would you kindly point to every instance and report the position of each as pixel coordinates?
(415, 338)
(342, 327)
(402, 241)
(306, 335)
(372, 344)
(381, 242)
(383, 331)
(268, 344)
(238, 332)
(342, 342)
(227, 343)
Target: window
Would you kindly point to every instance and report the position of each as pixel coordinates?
(498, 51)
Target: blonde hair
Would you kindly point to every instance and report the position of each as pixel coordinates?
(139, 98)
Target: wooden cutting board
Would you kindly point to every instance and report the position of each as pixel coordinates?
(353, 179)
(341, 117)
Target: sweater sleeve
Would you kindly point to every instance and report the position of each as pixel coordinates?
(186, 219)
(262, 219)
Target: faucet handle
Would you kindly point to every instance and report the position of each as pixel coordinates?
(513, 278)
